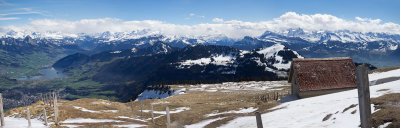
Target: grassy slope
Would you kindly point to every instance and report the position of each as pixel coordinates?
(200, 103)
(26, 65)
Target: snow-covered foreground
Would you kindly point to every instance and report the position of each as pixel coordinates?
(309, 112)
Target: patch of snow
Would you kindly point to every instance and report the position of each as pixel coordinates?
(133, 50)
(211, 90)
(380, 75)
(393, 47)
(115, 52)
(89, 120)
(204, 123)
(124, 117)
(85, 110)
(102, 102)
(114, 111)
(242, 110)
(271, 51)
(154, 94)
(181, 91)
(176, 110)
(71, 126)
(201, 61)
(384, 125)
(279, 63)
(157, 94)
(242, 52)
(162, 102)
(223, 59)
(93, 111)
(12, 122)
(139, 119)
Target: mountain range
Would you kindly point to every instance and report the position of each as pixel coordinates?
(123, 64)
(370, 47)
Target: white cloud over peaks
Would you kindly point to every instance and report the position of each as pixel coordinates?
(318, 22)
(233, 28)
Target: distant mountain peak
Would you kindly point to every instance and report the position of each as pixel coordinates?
(324, 36)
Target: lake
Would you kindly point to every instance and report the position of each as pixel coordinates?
(47, 73)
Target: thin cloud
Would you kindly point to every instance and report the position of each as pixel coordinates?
(4, 3)
(194, 15)
(232, 28)
(23, 11)
(9, 18)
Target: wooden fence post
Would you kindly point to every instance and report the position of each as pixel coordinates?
(28, 117)
(152, 115)
(1, 111)
(258, 119)
(364, 96)
(44, 99)
(51, 99)
(141, 108)
(55, 109)
(47, 99)
(132, 108)
(168, 118)
(40, 97)
(45, 117)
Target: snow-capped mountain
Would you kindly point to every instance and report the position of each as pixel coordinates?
(113, 37)
(374, 48)
(310, 36)
(363, 47)
(291, 36)
(344, 36)
(280, 56)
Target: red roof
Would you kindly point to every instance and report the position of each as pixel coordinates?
(323, 73)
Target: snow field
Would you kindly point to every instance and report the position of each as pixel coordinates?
(309, 112)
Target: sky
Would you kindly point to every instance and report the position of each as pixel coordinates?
(113, 15)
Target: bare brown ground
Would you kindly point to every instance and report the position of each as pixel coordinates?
(389, 106)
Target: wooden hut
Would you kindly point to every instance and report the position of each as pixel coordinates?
(318, 76)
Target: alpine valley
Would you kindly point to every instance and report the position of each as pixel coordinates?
(119, 66)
